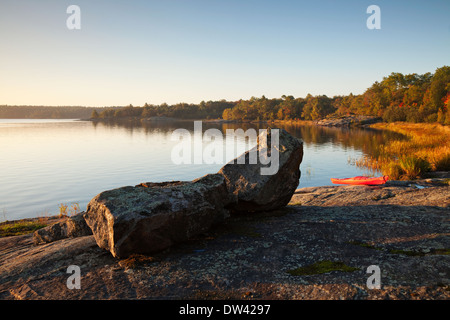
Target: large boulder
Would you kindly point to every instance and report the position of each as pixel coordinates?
(71, 227)
(269, 183)
(151, 217)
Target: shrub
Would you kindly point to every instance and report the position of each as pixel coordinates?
(393, 171)
(66, 210)
(426, 148)
(413, 167)
(443, 163)
(62, 210)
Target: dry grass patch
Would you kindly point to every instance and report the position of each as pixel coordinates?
(426, 147)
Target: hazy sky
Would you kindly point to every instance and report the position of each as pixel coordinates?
(193, 50)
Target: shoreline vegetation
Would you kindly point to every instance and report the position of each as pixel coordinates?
(10, 228)
(25, 226)
(425, 149)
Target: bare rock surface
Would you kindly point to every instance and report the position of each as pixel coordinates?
(404, 230)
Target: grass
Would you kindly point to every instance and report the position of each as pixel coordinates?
(324, 266)
(295, 204)
(68, 210)
(25, 226)
(426, 148)
(413, 167)
(16, 228)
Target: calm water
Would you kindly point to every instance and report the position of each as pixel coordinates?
(44, 163)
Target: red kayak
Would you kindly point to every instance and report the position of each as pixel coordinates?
(361, 180)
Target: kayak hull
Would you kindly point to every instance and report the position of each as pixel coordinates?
(361, 180)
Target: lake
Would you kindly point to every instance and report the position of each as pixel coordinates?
(45, 163)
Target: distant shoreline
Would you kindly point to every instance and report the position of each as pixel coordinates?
(322, 122)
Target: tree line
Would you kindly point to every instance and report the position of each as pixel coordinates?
(411, 97)
(398, 97)
(45, 112)
(203, 110)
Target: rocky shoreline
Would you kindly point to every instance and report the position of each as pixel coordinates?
(401, 227)
(343, 121)
(348, 121)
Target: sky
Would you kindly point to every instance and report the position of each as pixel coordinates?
(172, 51)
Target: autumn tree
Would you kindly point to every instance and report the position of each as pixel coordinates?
(94, 115)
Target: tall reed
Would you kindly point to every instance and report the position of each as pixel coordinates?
(425, 148)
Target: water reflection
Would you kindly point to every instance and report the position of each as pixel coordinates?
(367, 140)
(328, 151)
(45, 163)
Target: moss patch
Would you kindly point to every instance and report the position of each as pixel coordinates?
(8, 229)
(295, 204)
(323, 266)
(445, 251)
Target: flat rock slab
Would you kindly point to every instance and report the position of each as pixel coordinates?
(371, 195)
(403, 230)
